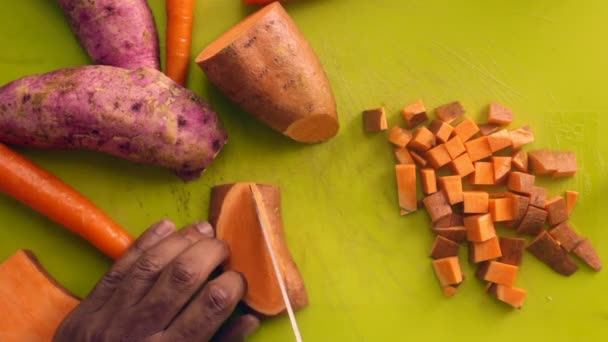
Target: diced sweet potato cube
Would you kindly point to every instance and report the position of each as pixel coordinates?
(499, 114)
(533, 221)
(403, 156)
(466, 129)
(455, 147)
(450, 291)
(484, 174)
(420, 160)
(448, 271)
(444, 248)
(481, 270)
(488, 128)
(571, 198)
(438, 156)
(450, 112)
(519, 207)
(556, 208)
(437, 205)
(374, 120)
(501, 273)
(483, 251)
(452, 186)
(586, 252)
(521, 136)
(567, 237)
(542, 162)
(547, 250)
(475, 202)
(510, 295)
(400, 137)
(414, 114)
(478, 149)
(422, 140)
(457, 234)
(538, 196)
(452, 220)
(566, 164)
(479, 227)
(520, 160)
(520, 182)
(429, 181)
(502, 167)
(512, 250)
(499, 140)
(442, 130)
(501, 209)
(406, 187)
(462, 166)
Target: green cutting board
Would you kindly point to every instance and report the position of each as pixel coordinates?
(366, 268)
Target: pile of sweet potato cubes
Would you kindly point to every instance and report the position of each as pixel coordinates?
(454, 154)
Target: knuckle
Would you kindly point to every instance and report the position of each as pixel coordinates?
(217, 300)
(222, 247)
(112, 279)
(183, 275)
(146, 267)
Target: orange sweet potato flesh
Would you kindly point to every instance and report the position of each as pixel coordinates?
(32, 303)
(438, 156)
(501, 273)
(533, 221)
(502, 167)
(466, 129)
(499, 140)
(462, 166)
(501, 209)
(442, 130)
(519, 206)
(452, 220)
(457, 234)
(450, 112)
(488, 128)
(520, 182)
(374, 120)
(475, 202)
(403, 156)
(422, 140)
(520, 160)
(486, 250)
(571, 198)
(455, 147)
(484, 174)
(521, 136)
(420, 160)
(406, 188)
(448, 271)
(499, 114)
(452, 185)
(480, 228)
(538, 196)
(232, 212)
(510, 295)
(414, 114)
(265, 65)
(437, 205)
(399, 137)
(547, 250)
(444, 248)
(429, 181)
(566, 164)
(542, 162)
(478, 149)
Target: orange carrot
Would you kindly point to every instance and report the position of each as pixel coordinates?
(180, 15)
(45, 193)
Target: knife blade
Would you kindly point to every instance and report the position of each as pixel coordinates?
(275, 264)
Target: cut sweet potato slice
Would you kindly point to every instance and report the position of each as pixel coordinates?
(466, 129)
(586, 252)
(533, 221)
(406, 188)
(455, 147)
(475, 202)
(519, 206)
(483, 251)
(438, 156)
(448, 271)
(452, 186)
(441, 129)
(557, 211)
(509, 295)
(450, 112)
(484, 174)
(521, 136)
(512, 250)
(265, 65)
(520, 182)
(538, 196)
(501, 209)
(403, 156)
(419, 159)
(542, 162)
(437, 205)
(457, 234)
(452, 220)
(429, 181)
(32, 303)
(478, 149)
(499, 141)
(399, 136)
(488, 128)
(450, 290)
(374, 120)
(547, 250)
(422, 140)
(414, 114)
(520, 160)
(502, 167)
(444, 248)
(501, 273)
(462, 166)
(566, 164)
(567, 237)
(571, 198)
(499, 114)
(480, 228)
(232, 212)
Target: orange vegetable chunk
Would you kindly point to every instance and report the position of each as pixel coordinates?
(414, 114)
(448, 271)
(502, 167)
(406, 187)
(556, 208)
(484, 174)
(571, 198)
(488, 128)
(450, 112)
(547, 250)
(444, 248)
(499, 140)
(512, 250)
(403, 156)
(475, 202)
(437, 205)
(450, 291)
(586, 252)
(423, 140)
(429, 181)
(501, 209)
(566, 164)
(519, 207)
(455, 147)
(479, 227)
(486, 250)
(452, 186)
(567, 237)
(478, 149)
(538, 196)
(400, 137)
(542, 162)
(457, 234)
(466, 129)
(438, 156)
(501, 273)
(511, 295)
(420, 160)
(521, 136)
(462, 166)
(499, 114)
(441, 129)
(520, 160)
(520, 182)
(533, 221)
(374, 120)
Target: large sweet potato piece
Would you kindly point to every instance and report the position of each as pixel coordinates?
(232, 212)
(265, 65)
(140, 115)
(120, 33)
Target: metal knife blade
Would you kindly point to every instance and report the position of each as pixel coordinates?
(275, 264)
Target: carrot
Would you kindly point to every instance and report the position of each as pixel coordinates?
(499, 140)
(441, 129)
(414, 114)
(450, 112)
(567, 237)
(399, 137)
(533, 221)
(502, 167)
(501, 209)
(520, 182)
(486, 250)
(45, 193)
(32, 303)
(478, 149)
(499, 114)
(484, 174)
(556, 208)
(547, 250)
(448, 271)
(475, 202)
(423, 140)
(480, 228)
(444, 248)
(452, 186)
(180, 15)
(455, 147)
(406, 188)
(374, 120)
(437, 205)
(462, 166)
(520, 160)
(429, 181)
(466, 129)
(571, 198)
(438, 156)
(403, 156)
(501, 273)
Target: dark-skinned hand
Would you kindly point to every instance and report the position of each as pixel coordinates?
(159, 291)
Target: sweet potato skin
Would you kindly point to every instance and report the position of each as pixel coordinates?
(140, 115)
(119, 33)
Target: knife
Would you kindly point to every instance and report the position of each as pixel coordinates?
(275, 264)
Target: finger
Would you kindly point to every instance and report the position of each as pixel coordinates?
(180, 280)
(147, 268)
(208, 311)
(111, 280)
(238, 329)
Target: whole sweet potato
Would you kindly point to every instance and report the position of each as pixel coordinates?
(115, 32)
(140, 115)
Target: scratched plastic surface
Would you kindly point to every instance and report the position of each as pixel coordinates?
(366, 267)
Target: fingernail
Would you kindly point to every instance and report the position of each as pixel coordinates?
(204, 228)
(164, 228)
(251, 324)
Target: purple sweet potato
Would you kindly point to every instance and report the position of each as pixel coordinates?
(140, 115)
(120, 33)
